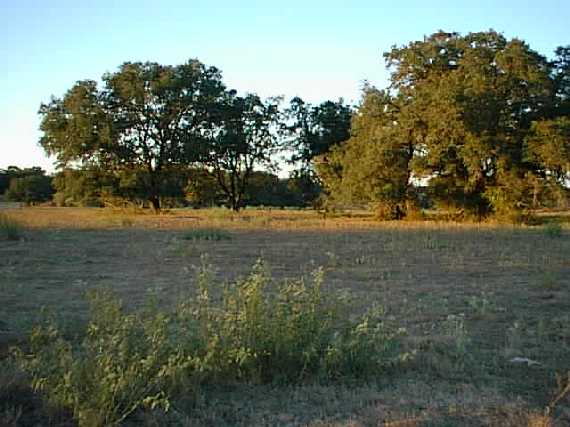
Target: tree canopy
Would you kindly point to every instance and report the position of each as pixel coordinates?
(476, 123)
(245, 135)
(28, 185)
(148, 117)
(479, 119)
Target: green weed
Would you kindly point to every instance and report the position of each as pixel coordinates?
(549, 281)
(552, 229)
(288, 334)
(10, 229)
(256, 331)
(482, 304)
(124, 362)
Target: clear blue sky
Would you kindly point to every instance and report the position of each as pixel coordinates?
(315, 49)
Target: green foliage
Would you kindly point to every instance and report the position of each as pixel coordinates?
(151, 124)
(372, 167)
(304, 189)
(293, 333)
(98, 187)
(6, 175)
(148, 118)
(83, 187)
(552, 229)
(29, 186)
(267, 189)
(124, 362)
(316, 129)
(264, 189)
(202, 189)
(10, 229)
(130, 361)
(246, 136)
(548, 146)
(479, 118)
(206, 234)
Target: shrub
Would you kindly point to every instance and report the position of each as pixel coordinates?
(255, 334)
(125, 362)
(10, 229)
(294, 332)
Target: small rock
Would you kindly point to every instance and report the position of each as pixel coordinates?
(520, 360)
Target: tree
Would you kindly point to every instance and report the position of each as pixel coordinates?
(316, 129)
(548, 149)
(29, 186)
(245, 135)
(313, 131)
(83, 187)
(373, 166)
(561, 77)
(7, 174)
(304, 189)
(148, 117)
(202, 189)
(466, 115)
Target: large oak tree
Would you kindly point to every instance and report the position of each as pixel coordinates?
(480, 119)
(146, 119)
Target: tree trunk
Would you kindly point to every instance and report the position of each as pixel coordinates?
(155, 202)
(234, 205)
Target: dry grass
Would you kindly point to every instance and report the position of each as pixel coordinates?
(254, 219)
(471, 296)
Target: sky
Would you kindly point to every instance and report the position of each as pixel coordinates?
(314, 49)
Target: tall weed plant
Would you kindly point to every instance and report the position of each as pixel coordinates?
(254, 331)
(292, 333)
(124, 362)
(10, 229)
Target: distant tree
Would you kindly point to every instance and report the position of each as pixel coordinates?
(99, 187)
(202, 189)
(30, 186)
(314, 130)
(84, 187)
(264, 189)
(304, 190)
(4, 181)
(6, 175)
(548, 150)
(148, 117)
(245, 136)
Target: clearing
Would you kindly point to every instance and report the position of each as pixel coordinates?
(471, 297)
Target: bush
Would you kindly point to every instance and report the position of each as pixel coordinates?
(125, 362)
(291, 334)
(10, 229)
(130, 361)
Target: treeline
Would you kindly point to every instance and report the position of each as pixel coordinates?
(183, 188)
(151, 131)
(476, 124)
(180, 188)
(28, 185)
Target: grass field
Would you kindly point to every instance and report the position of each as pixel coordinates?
(471, 297)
